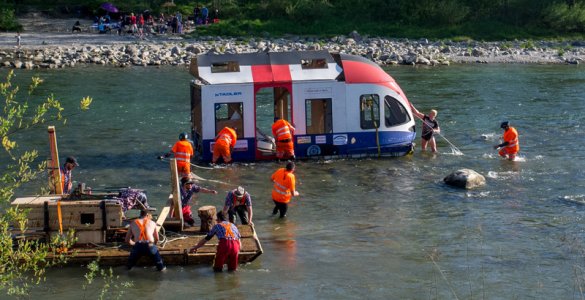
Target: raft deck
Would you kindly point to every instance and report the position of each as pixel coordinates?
(100, 229)
(174, 250)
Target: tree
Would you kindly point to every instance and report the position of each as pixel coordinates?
(23, 261)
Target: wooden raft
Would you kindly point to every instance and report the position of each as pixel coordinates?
(174, 252)
(100, 231)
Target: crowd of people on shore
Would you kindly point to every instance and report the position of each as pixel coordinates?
(147, 23)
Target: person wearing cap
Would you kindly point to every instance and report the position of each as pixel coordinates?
(143, 237)
(284, 188)
(238, 201)
(229, 244)
(225, 141)
(188, 189)
(510, 147)
(66, 176)
(430, 125)
(283, 133)
(183, 151)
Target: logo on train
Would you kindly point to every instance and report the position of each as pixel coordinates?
(228, 94)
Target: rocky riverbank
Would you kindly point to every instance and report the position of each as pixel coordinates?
(61, 49)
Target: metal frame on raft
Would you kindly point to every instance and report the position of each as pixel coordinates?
(340, 105)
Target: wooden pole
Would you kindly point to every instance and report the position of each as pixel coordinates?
(177, 207)
(53, 165)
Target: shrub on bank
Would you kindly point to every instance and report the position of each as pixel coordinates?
(8, 21)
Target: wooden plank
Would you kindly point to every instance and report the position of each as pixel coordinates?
(36, 200)
(53, 165)
(162, 217)
(176, 191)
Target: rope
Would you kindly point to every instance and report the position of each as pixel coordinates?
(194, 165)
(164, 240)
(453, 147)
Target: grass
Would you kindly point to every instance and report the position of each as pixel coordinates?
(486, 31)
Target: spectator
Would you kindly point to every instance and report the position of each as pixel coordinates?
(76, 27)
(215, 16)
(205, 15)
(197, 14)
(133, 22)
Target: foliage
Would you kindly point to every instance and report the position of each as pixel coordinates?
(110, 288)
(23, 261)
(529, 45)
(564, 17)
(478, 19)
(8, 20)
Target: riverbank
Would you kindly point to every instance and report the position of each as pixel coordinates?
(52, 46)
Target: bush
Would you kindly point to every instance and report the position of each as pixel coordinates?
(8, 20)
(566, 18)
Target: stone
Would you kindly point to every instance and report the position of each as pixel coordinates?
(465, 178)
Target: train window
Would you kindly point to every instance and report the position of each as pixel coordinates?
(225, 67)
(317, 63)
(230, 115)
(318, 116)
(369, 111)
(394, 112)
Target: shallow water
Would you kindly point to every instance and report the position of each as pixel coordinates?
(372, 228)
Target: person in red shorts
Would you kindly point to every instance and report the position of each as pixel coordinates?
(229, 244)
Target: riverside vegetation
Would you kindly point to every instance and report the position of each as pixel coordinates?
(424, 32)
(23, 262)
(434, 19)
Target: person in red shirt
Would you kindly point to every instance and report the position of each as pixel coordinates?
(133, 22)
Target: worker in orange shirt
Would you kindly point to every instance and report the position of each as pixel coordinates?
(225, 141)
(510, 147)
(284, 188)
(183, 151)
(283, 133)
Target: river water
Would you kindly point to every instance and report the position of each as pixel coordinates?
(371, 228)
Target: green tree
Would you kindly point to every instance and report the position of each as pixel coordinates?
(23, 261)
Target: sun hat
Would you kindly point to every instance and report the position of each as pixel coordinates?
(239, 192)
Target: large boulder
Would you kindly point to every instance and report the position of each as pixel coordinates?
(465, 178)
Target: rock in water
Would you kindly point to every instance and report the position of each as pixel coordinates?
(465, 178)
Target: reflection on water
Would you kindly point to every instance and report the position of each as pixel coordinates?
(363, 228)
(283, 238)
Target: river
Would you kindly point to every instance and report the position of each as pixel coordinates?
(362, 229)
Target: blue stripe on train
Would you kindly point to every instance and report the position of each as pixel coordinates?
(356, 144)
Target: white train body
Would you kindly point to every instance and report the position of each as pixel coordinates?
(340, 105)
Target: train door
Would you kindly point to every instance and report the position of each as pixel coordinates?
(196, 120)
(271, 103)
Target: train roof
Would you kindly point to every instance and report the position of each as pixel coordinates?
(274, 67)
